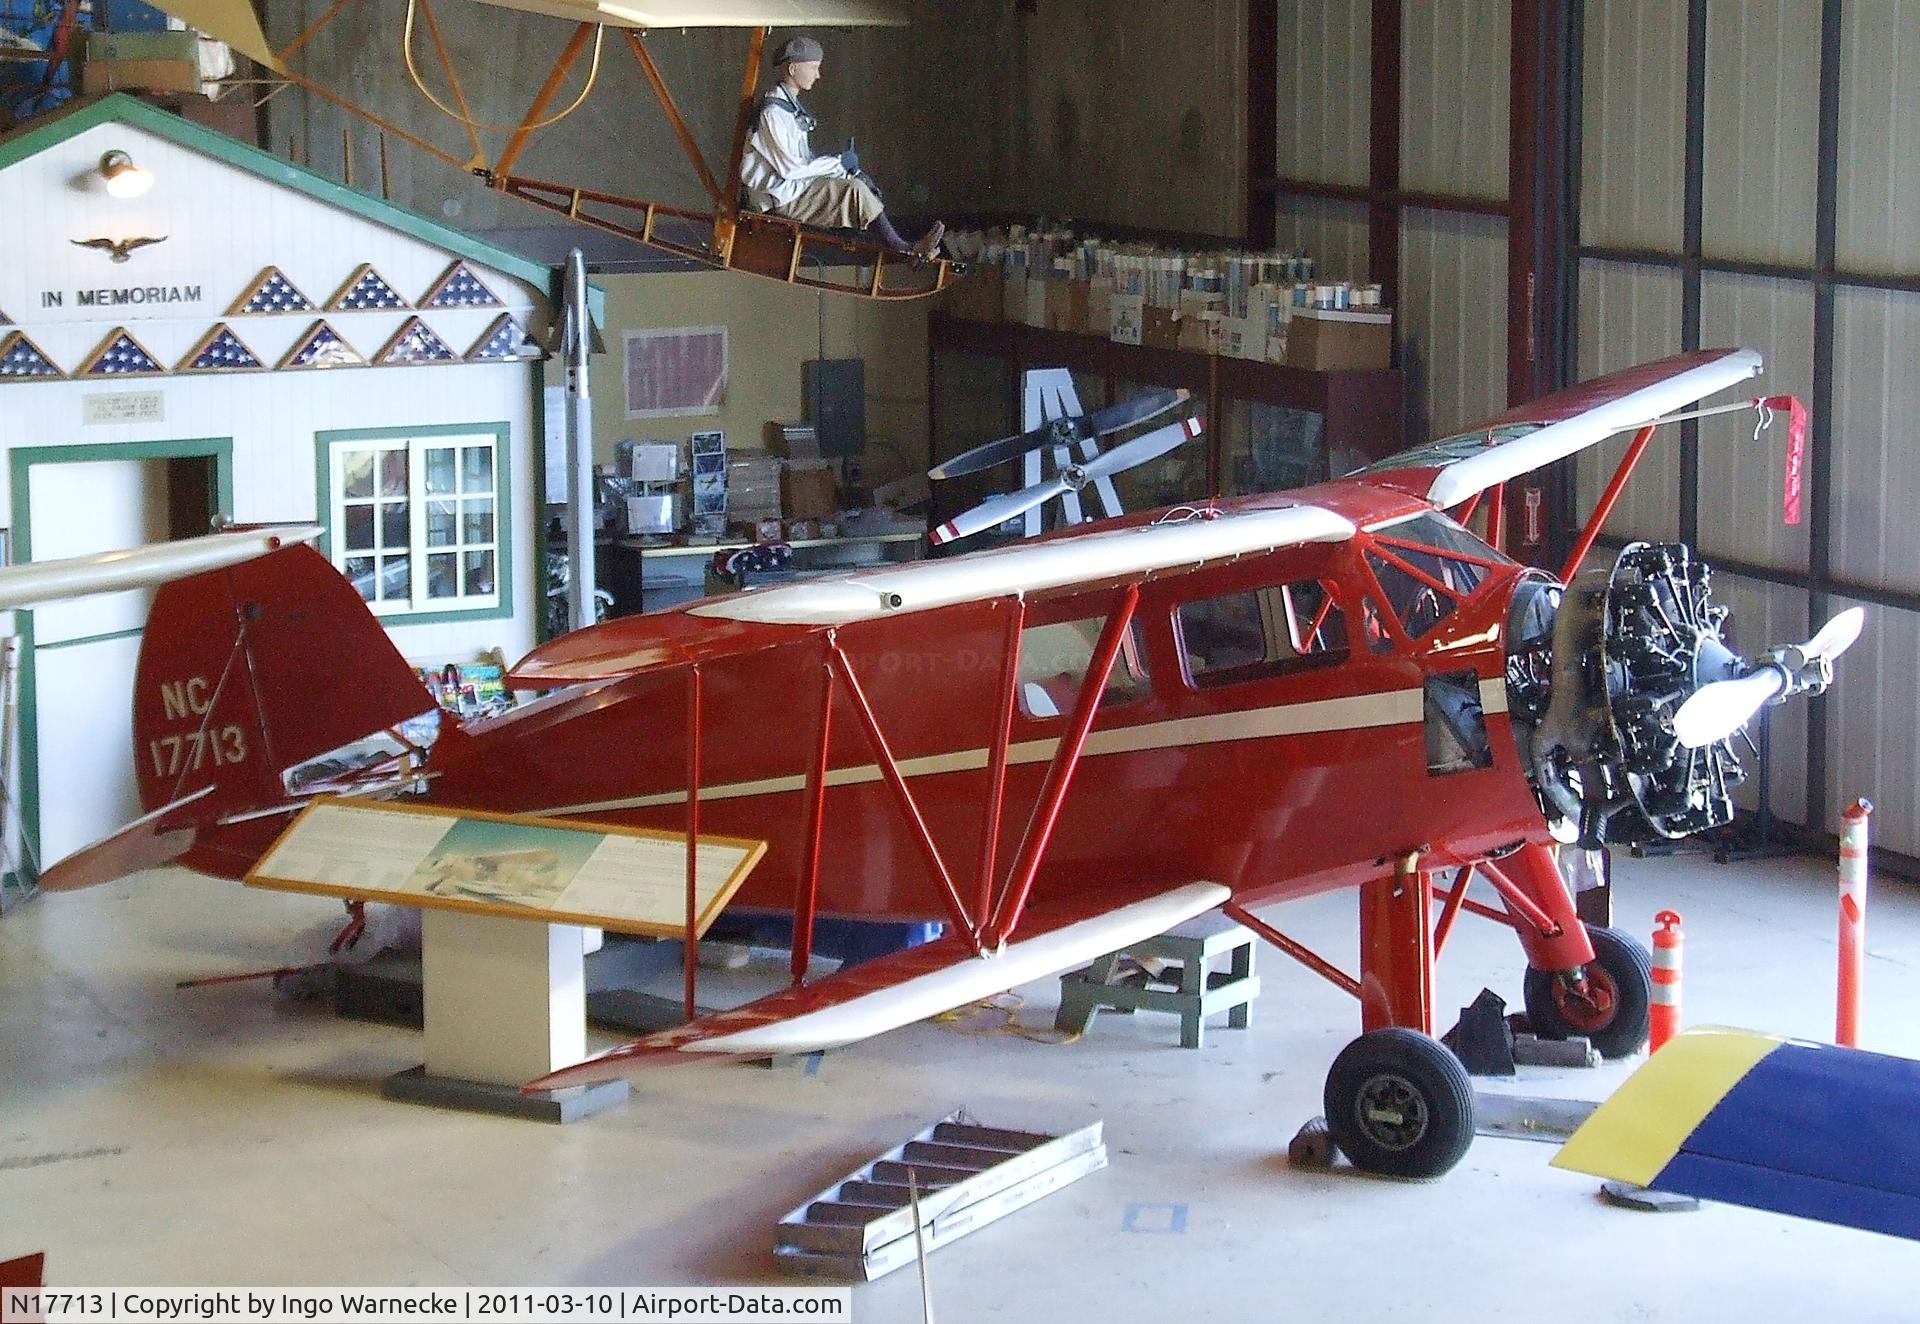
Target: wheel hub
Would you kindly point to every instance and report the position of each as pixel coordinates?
(1391, 1111)
(1588, 1001)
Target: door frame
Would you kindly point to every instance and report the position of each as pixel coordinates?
(20, 464)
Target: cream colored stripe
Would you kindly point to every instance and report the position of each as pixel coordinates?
(1357, 712)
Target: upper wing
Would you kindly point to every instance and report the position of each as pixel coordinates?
(719, 13)
(1448, 471)
(1031, 567)
(898, 990)
(1799, 1128)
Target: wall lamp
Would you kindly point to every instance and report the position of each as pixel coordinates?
(124, 178)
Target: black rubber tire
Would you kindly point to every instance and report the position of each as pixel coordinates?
(1626, 966)
(1399, 1102)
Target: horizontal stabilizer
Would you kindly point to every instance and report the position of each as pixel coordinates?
(719, 13)
(885, 994)
(1786, 1125)
(148, 842)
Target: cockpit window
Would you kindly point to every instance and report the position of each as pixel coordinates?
(1427, 566)
(1265, 632)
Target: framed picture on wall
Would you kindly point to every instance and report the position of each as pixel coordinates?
(674, 372)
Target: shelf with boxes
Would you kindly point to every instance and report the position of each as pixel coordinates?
(1270, 425)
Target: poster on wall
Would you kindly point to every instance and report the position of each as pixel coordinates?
(675, 371)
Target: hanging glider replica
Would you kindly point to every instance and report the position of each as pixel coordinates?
(1067, 745)
(724, 235)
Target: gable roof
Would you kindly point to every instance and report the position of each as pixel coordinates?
(122, 108)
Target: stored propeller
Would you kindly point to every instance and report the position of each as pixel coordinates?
(1069, 430)
(1715, 711)
(998, 510)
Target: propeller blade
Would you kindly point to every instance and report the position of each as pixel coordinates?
(995, 511)
(1142, 450)
(1837, 635)
(1714, 712)
(1126, 413)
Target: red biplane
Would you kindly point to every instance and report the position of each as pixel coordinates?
(1073, 743)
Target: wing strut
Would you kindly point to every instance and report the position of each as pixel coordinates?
(1584, 543)
(1066, 761)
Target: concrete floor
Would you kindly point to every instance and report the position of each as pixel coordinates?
(223, 1136)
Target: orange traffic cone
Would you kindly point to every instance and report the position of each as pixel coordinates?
(1664, 1012)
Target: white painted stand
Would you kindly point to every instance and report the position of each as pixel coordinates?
(504, 1002)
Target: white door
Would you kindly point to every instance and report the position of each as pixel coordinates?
(84, 651)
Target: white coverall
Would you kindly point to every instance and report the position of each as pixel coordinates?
(782, 175)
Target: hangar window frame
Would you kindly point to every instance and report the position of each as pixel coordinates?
(418, 445)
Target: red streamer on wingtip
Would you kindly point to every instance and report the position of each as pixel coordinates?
(1796, 448)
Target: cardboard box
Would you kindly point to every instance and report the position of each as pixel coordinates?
(1160, 328)
(1099, 301)
(1126, 314)
(164, 45)
(1067, 305)
(808, 492)
(98, 76)
(1193, 303)
(1244, 337)
(1013, 299)
(1340, 340)
(978, 297)
(1036, 312)
(1200, 334)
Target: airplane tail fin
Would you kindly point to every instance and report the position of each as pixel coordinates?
(257, 685)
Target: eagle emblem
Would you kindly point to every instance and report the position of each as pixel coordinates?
(118, 249)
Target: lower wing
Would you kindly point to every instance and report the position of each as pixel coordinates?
(908, 986)
(1779, 1124)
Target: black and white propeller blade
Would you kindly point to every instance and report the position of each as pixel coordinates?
(1714, 712)
(1066, 431)
(995, 511)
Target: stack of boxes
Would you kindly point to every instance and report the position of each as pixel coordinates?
(1241, 305)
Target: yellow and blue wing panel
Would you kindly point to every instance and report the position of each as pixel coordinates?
(1779, 1124)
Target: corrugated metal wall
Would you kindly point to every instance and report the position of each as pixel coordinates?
(1453, 319)
(1763, 91)
(1455, 81)
(1633, 116)
(1759, 190)
(1879, 136)
(1455, 78)
(1323, 101)
(1628, 315)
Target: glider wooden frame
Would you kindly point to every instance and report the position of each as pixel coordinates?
(726, 238)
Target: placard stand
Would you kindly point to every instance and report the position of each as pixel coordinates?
(504, 1002)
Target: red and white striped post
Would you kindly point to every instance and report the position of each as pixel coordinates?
(1663, 1012)
(1853, 920)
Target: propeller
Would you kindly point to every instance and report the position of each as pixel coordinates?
(998, 510)
(1066, 431)
(1715, 711)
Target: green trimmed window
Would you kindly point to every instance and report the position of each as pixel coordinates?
(415, 521)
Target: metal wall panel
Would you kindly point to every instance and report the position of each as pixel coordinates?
(1455, 76)
(1326, 49)
(1135, 113)
(1873, 740)
(1633, 124)
(1764, 615)
(1879, 193)
(1628, 315)
(1743, 480)
(1876, 398)
(1333, 233)
(1762, 129)
(1453, 319)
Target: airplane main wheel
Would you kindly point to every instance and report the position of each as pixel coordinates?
(1399, 1102)
(1612, 1011)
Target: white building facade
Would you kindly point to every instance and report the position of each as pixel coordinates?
(247, 341)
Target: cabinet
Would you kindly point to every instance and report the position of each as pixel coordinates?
(1269, 426)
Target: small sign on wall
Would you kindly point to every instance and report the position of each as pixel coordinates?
(126, 407)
